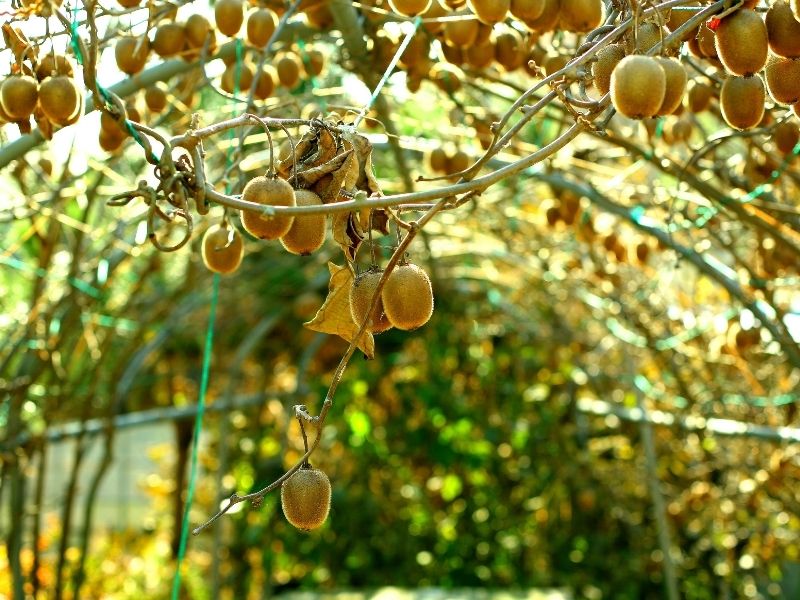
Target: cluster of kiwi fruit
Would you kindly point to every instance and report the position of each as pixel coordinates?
(448, 162)
(565, 211)
(44, 87)
(405, 302)
(223, 246)
(306, 498)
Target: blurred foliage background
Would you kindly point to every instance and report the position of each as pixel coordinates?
(503, 445)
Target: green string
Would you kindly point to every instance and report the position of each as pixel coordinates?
(198, 427)
(76, 48)
(201, 401)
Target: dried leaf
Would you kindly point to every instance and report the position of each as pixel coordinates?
(18, 42)
(330, 192)
(308, 177)
(347, 232)
(334, 315)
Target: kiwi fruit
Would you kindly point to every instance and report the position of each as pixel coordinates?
(169, 40)
(455, 55)
(553, 63)
(229, 16)
(446, 77)
(307, 233)
(678, 18)
(786, 135)
(783, 30)
(581, 15)
(675, 84)
(261, 24)
(698, 96)
(131, 53)
(229, 83)
(272, 191)
(266, 83)
(546, 21)
(783, 79)
(129, 3)
(741, 101)
(155, 98)
(457, 162)
(463, 32)
(509, 50)
(647, 36)
(288, 68)
(222, 249)
(642, 252)
(54, 64)
(18, 95)
(361, 292)
(319, 16)
(490, 11)
(314, 63)
(628, 94)
(416, 52)
(479, 56)
(607, 59)
(196, 30)
(306, 498)
(59, 99)
(437, 160)
(527, 10)
(741, 42)
(795, 6)
(110, 142)
(408, 297)
(409, 8)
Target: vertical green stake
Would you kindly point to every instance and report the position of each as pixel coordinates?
(198, 427)
(201, 401)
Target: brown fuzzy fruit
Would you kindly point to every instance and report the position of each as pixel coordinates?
(237, 77)
(783, 79)
(307, 233)
(266, 83)
(648, 35)
(741, 101)
(129, 3)
(548, 20)
(361, 292)
(783, 30)
(131, 54)
(457, 162)
(409, 8)
(676, 84)
(18, 96)
(229, 16)
(408, 297)
(306, 498)
(479, 56)
(315, 62)
(462, 33)
(607, 58)
(628, 94)
(54, 64)
(60, 99)
(276, 192)
(288, 67)
(170, 39)
(795, 6)
(222, 249)
(447, 77)
(197, 29)
(741, 42)
(437, 160)
(698, 96)
(509, 49)
(110, 142)
(155, 98)
(786, 135)
(581, 15)
(490, 11)
(261, 24)
(527, 10)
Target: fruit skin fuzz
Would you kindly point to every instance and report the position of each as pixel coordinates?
(306, 498)
(408, 297)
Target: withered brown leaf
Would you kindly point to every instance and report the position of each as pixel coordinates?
(334, 316)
